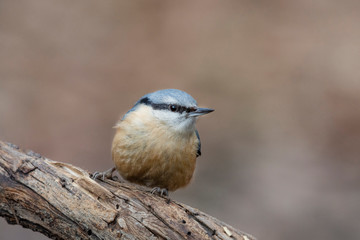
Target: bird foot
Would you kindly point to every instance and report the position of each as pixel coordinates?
(162, 192)
(103, 175)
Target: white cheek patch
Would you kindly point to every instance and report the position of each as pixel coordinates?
(186, 125)
(166, 116)
(175, 120)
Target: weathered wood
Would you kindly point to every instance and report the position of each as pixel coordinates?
(63, 202)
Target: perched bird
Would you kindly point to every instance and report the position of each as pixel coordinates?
(156, 142)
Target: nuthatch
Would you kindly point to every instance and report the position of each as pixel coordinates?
(156, 143)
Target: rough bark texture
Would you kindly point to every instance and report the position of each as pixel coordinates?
(63, 202)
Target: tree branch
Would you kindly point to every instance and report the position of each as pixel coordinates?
(63, 202)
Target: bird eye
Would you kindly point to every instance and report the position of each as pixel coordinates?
(173, 108)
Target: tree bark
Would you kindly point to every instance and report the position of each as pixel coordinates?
(63, 202)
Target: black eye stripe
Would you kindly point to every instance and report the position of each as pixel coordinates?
(180, 109)
(170, 107)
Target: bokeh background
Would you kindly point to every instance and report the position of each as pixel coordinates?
(280, 153)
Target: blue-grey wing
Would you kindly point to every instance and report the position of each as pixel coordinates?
(198, 153)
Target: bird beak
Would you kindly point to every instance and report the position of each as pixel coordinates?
(200, 111)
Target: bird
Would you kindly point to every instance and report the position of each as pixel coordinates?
(156, 143)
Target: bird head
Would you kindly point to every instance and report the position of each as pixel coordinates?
(174, 108)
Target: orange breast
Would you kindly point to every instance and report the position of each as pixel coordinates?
(149, 153)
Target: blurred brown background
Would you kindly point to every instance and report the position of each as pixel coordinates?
(280, 153)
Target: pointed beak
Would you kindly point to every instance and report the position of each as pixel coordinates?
(200, 111)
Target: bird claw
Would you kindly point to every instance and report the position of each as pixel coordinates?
(162, 192)
(103, 175)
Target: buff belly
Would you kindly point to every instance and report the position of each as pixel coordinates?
(152, 155)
